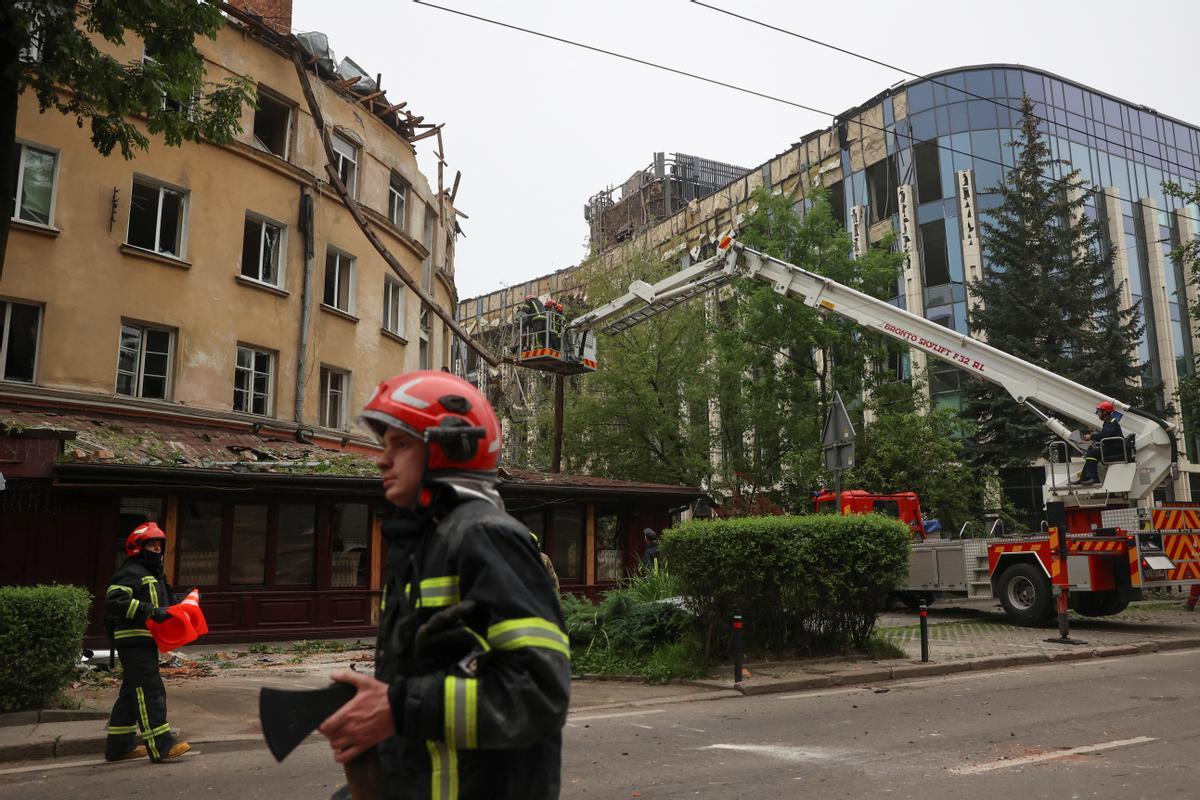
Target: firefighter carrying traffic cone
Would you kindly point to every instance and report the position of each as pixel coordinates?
(138, 592)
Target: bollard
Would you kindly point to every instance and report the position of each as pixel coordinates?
(924, 631)
(737, 648)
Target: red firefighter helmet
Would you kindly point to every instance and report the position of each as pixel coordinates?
(142, 534)
(443, 410)
(1105, 408)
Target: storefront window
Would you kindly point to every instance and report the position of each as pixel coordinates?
(248, 557)
(199, 543)
(351, 542)
(567, 543)
(294, 544)
(609, 564)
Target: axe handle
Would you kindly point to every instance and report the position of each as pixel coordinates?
(365, 777)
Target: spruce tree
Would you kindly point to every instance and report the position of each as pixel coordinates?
(1048, 297)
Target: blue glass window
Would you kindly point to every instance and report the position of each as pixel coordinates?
(982, 114)
(1112, 111)
(979, 83)
(986, 147)
(954, 249)
(1034, 87)
(955, 83)
(943, 119)
(920, 97)
(924, 126)
(1074, 98)
(958, 118)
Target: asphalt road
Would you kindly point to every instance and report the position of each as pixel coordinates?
(1122, 728)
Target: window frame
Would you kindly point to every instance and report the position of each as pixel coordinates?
(6, 339)
(22, 146)
(398, 190)
(351, 157)
(351, 285)
(140, 375)
(325, 389)
(272, 360)
(394, 305)
(184, 207)
(281, 250)
(428, 235)
(191, 101)
(289, 134)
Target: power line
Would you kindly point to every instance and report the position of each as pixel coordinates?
(910, 73)
(746, 90)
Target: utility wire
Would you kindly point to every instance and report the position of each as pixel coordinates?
(939, 82)
(745, 90)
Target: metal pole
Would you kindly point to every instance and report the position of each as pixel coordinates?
(924, 612)
(737, 648)
(837, 490)
(556, 461)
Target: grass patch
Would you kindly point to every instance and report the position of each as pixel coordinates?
(880, 648)
(260, 649)
(308, 647)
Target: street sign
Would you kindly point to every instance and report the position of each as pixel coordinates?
(837, 438)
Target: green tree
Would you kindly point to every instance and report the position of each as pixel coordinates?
(778, 361)
(49, 47)
(644, 414)
(1047, 296)
(1187, 256)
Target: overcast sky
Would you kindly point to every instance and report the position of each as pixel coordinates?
(537, 127)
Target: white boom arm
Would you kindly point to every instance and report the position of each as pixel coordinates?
(1155, 444)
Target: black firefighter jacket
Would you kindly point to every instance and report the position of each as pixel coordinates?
(481, 717)
(133, 593)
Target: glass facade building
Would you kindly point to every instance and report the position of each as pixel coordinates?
(965, 119)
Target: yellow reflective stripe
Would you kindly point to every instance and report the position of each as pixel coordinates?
(436, 592)
(133, 607)
(152, 584)
(132, 633)
(118, 730)
(460, 712)
(159, 731)
(149, 737)
(443, 778)
(118, 587)
(513, 634)
(472, 703)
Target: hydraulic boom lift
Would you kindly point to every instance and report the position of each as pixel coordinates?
(1117, 550)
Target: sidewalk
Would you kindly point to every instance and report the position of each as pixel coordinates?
(213, 691)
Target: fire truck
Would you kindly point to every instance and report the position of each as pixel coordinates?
(1118, 543)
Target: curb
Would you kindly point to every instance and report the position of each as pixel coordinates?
(94, 745)
(50, 715)
(986, 663)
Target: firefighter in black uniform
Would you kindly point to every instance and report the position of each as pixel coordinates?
(472, 673)
(533, 327)
(137, 592)
(1110, 428)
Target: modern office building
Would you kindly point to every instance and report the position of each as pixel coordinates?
(922, 156)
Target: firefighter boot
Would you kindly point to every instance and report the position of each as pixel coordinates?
(178, 749)
(137, 752)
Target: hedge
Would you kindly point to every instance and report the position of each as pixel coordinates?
(41, 635)
(814, 583)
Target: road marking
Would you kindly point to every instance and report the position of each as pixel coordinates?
(591, 717)
(1180, 653)
(805, 755)
(1057, 754)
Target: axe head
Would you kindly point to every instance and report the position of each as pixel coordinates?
(288, 716)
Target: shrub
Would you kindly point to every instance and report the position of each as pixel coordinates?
(814, 583)
(41, 635)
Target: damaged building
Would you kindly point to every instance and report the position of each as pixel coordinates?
(188, 335)
(921, 159)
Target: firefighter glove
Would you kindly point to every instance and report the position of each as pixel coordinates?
(159, 615)
(445, 638)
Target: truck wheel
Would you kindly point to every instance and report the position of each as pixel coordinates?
(1025, 595)
(1100, 604)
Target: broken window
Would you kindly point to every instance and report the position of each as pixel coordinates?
(335, 385)
(397, 202)
(347, 162)
(262, 243)
(19, 323)
(144, 362)
(33, 187)
(339, 281)
(252, 380)
(881, 189)
(156, 217)
(172, 98)
(393, 306)
(933, 253)
(273, 124)
(929, 173)
(427, 240)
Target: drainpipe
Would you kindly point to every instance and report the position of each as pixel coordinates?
(306, 230)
